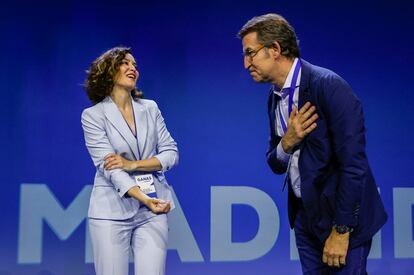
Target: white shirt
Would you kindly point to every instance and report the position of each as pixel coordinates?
(283, 104)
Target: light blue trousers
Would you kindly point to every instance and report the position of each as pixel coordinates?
(113, 240)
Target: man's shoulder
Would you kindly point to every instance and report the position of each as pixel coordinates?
(322, 77)
(318, 72)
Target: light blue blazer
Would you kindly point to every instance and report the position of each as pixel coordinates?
(107, 132)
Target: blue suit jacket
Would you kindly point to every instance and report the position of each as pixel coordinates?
(336, 181)
(106, 132)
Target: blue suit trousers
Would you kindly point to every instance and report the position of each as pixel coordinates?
(310, 251)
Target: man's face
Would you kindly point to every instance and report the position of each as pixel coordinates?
(257, 59)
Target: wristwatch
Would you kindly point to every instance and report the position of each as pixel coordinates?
(342, 229)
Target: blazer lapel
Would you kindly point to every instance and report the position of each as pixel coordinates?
(304, 93)
(304, 96)
(271, 106)
(141, 124)
(115, 117)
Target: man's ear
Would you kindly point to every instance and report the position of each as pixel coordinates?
(276, 50)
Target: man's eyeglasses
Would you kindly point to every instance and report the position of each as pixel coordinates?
(250, 54)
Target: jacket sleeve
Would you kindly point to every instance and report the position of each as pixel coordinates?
(167, 151)
(276, 163)
(99, 146)
(345, 121)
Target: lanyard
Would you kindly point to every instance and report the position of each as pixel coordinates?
(291, 94)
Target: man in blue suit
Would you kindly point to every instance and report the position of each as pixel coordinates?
(317, 137)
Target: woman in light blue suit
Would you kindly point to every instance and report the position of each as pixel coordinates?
(131, 149)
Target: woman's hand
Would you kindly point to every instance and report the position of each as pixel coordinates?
(157, 206)
(113, 161)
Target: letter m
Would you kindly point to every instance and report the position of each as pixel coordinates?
(38, 205)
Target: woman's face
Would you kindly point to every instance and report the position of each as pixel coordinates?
(127, 75)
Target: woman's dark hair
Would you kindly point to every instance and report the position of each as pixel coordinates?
(100, 76)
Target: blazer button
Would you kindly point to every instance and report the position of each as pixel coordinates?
(119, 190)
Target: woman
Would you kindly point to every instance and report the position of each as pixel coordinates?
(131, 148)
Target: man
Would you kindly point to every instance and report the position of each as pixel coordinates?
(317, 137)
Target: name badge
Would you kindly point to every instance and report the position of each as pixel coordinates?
(146, 184)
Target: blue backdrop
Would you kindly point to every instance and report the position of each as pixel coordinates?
(190, 63)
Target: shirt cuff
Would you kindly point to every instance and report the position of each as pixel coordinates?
(281, 154)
